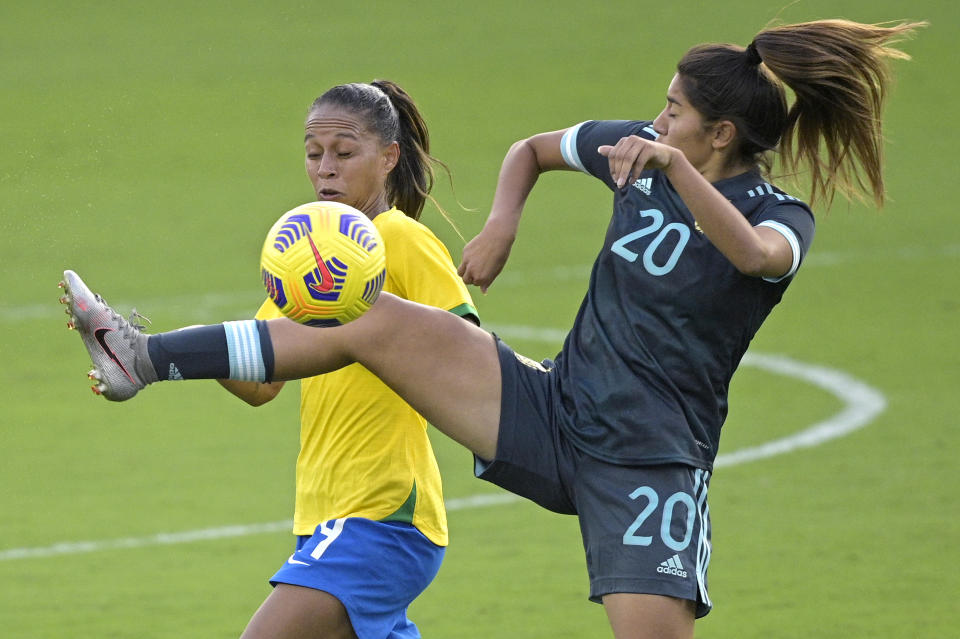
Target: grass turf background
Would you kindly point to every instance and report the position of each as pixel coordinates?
(149, 147)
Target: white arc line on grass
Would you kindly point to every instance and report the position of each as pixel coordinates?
(862, 404)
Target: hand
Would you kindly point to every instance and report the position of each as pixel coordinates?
(633, 154)
(485, 255)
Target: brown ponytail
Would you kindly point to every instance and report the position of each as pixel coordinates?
(410, 183)
(838, 71)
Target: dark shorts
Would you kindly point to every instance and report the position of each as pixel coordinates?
(645, 529)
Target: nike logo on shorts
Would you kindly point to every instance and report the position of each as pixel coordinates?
(296, 562)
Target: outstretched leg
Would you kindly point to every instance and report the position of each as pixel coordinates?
(445, 367)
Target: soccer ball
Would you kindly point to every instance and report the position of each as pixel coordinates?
(323, 263)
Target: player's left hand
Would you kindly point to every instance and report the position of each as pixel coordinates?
(633, 154)
(485, 255)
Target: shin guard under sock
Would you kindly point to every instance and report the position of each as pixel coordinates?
(235, 350)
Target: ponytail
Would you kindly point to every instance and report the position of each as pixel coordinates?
(838, 71)
(411, 181)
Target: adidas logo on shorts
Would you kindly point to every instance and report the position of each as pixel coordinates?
(672, 566)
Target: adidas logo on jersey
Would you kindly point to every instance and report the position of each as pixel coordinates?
(174, 374)
(672, 566)
(644, 185)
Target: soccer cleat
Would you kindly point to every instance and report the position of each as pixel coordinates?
(116, 345)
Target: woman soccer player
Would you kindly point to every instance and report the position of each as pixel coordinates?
(369, 517)
(622, 428)
(361, 506)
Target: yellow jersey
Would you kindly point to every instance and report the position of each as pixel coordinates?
(363, 451)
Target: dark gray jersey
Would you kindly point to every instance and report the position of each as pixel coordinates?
(644, 373)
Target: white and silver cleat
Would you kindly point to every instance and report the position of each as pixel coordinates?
(115, 344)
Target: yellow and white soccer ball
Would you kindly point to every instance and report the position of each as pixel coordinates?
(323, 263)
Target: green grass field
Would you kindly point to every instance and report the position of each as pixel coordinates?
(150, 147)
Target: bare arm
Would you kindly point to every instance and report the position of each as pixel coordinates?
(486, 254)
(755, 251)
(253, 393)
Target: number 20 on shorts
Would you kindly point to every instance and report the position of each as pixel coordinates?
(631, 536)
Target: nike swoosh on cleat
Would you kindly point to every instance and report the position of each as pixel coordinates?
(100, 334)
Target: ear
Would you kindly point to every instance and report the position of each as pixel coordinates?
(724, 133)
(391, 155)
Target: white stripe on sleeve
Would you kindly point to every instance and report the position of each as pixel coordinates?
(791, 238)
(568, 147)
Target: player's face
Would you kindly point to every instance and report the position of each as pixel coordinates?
(345, 161)
(682, 127)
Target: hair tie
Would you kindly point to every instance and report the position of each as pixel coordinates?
(753, 56)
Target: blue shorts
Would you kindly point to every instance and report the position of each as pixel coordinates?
(645, 529)
(376, 569)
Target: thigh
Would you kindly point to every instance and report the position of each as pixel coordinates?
(291, 612)
(442, 365)
(646, 530)
(635, 616)
(533, 459)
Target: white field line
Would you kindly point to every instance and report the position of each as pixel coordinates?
(862, 404)
(205, 534)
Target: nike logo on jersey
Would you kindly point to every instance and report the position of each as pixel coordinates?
(326, 277)
(101, 335)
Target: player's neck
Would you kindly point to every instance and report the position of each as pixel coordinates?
(717, 168)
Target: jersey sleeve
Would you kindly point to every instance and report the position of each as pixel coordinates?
(796, 224)
(268, 310)
(420, 269)
(579, 144)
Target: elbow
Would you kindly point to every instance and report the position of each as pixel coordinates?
(773, 255)
(537, 151)
(762, 269)
(525, 149)
(752, 269)
(757, 264)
